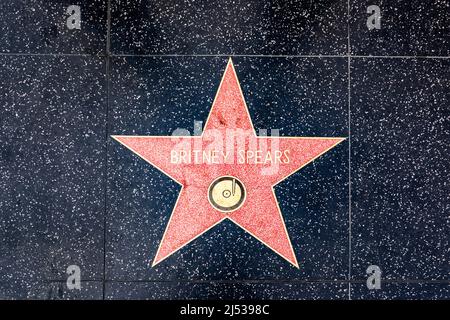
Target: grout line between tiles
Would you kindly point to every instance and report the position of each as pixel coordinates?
(275, 281)
(272, 281)
(217, 55)
(51, 54)
(281, 56)
(349, 156)
(108, 76)
(232, 55)
(399, 57)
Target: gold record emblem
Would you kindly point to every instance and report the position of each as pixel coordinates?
(226, 194)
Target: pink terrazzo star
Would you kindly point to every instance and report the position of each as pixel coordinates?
(228, 149)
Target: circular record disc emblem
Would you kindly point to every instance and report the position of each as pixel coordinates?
(226, 194)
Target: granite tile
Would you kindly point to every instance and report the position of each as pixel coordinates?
(407, 28)
(400, 156)
(154, 96)
(402, 291)
(225, 291)
(229, 27)
(40, 27)
(52, 158)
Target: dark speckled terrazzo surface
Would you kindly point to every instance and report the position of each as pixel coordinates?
(400, 158)
(71, 195)
(229, 27)
(39, 26)
(412, 27)
(52, 172)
